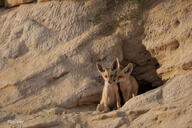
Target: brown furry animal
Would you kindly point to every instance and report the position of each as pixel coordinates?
(128, 84)
(110, 96)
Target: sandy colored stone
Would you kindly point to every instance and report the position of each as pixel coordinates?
(11, 3)
(168, 37)
(47, 65)
(48, 76)
(171, 108)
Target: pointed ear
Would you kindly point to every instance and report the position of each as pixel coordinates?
(128, 69)
(115, 64)
(99, 67)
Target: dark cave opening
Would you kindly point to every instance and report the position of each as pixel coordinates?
(145, 86)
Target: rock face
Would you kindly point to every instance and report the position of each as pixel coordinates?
(55, 60)
(52, 54)
(168, 106)
(168, 37)
(48, 52)
(11, 3)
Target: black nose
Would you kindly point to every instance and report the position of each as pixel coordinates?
(109, 82)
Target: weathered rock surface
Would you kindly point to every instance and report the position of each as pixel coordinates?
(167, 106)
(48, 52)
(168, 36)
(50, 55)
(53, 63)
(11, 3)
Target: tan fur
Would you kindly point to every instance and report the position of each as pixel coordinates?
(110, 97)
(128, 83)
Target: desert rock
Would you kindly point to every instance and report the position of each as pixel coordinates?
(168, 37)
(11, 3)
(48, 52)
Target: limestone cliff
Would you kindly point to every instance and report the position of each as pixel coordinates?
(48, 51)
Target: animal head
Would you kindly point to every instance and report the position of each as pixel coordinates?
(122, 75)
(109, 74)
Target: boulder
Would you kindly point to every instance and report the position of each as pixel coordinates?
(167, 106)
(12, 3)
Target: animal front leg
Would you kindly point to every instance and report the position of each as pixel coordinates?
(106, 108)
(134, 93)
(118, 98)
(100, 107)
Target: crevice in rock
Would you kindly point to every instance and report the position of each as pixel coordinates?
(135, 52)
(144, 86)
(187, 65)
(7, 117)
(176, 23)
(134, 114)
(128, 24)
(58, 77)
(174, 45)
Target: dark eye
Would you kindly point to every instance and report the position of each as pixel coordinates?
(120, 77)
(111, 75)
(105, 76)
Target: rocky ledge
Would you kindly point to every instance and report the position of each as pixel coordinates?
(48, 52)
